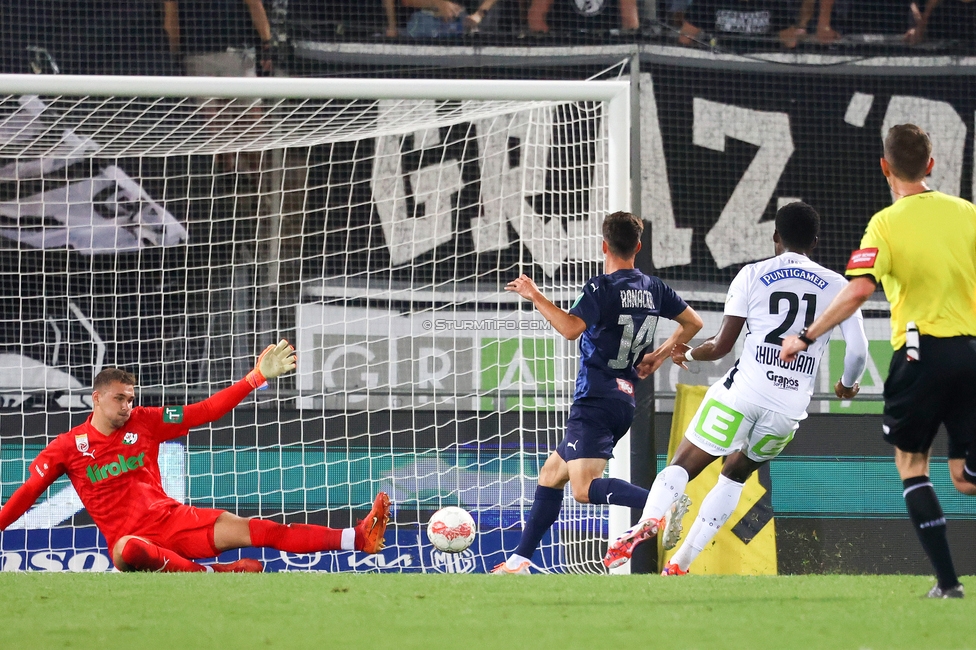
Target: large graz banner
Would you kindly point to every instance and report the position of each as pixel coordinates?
(160, 265)
(721, 149)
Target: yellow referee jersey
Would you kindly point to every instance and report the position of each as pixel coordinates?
(922, 248)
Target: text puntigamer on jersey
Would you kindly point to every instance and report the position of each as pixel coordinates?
(793, 273)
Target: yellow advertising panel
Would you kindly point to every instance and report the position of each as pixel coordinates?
(746, 544)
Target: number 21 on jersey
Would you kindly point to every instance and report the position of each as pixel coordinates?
(775, 337)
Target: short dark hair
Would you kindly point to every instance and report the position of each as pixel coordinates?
(622, 232)
(108, 375)
(798, 225)
(907, 149)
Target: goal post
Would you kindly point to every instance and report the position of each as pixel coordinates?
(175, 226)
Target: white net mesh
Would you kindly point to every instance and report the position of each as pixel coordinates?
(176, 237)
(114, 127)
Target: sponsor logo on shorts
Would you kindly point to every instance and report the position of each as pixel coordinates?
(771, 445)
(718, 423)
(625, 386)
(173, 414)
(783, 382)
(862, 259)
(108, 470)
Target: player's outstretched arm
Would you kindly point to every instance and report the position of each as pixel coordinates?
(19, 502)
(855, 356)
(714, 348)
(27, 494)
(570, 326)
(689, 324)
(843, 306)
(274, 361)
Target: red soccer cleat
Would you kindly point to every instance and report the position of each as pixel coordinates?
(672, 569)
(623, 547)
(243, 565)
(370, 531)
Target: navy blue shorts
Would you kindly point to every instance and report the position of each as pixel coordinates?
(594, 427)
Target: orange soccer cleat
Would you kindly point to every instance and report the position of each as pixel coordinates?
(672, 569)
(521, 570)
(243, 565)
(623, 547)
(668, 526)
(370, 531)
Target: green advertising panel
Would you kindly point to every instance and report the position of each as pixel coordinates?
(876, 371)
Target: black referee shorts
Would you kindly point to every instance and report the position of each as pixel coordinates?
(938, 388)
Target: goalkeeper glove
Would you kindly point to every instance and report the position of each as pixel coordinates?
(276, 360)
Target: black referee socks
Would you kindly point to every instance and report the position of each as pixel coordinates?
(930, 526)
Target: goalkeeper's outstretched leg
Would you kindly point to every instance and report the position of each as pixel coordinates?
(232, 532)
(137, 554)
(182, 540)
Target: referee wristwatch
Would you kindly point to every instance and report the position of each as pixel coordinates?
(803, 337)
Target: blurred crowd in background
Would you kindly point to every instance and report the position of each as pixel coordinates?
(246, 37)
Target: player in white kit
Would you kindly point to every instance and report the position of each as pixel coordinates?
(752, 413)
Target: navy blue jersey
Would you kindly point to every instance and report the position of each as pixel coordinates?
(621, 312)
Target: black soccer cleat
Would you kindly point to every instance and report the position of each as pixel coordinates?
(951, 592)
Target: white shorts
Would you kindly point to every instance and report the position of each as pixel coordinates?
(725, 424)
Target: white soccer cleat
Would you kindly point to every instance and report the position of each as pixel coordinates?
(671, 529)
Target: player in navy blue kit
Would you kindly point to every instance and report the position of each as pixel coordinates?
(616, 314)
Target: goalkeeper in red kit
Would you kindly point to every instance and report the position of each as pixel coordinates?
(112, 462)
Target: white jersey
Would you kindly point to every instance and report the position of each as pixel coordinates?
(778, 297)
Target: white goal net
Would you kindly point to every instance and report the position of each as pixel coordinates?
(174, 227)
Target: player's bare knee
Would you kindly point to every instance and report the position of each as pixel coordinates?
(964, 486)
(551, 477)
(581, 492)
(231, 531)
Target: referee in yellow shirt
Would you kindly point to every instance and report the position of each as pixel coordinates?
(923, 250)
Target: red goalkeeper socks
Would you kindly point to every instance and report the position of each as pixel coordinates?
(143, 556)
(294, 538)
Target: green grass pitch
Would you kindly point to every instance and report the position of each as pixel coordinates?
(364, 611)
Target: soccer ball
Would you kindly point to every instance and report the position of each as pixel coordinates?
(451, 529)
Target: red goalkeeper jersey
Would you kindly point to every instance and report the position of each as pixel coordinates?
(117, 476)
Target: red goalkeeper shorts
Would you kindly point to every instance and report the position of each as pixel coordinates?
(182, 529)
